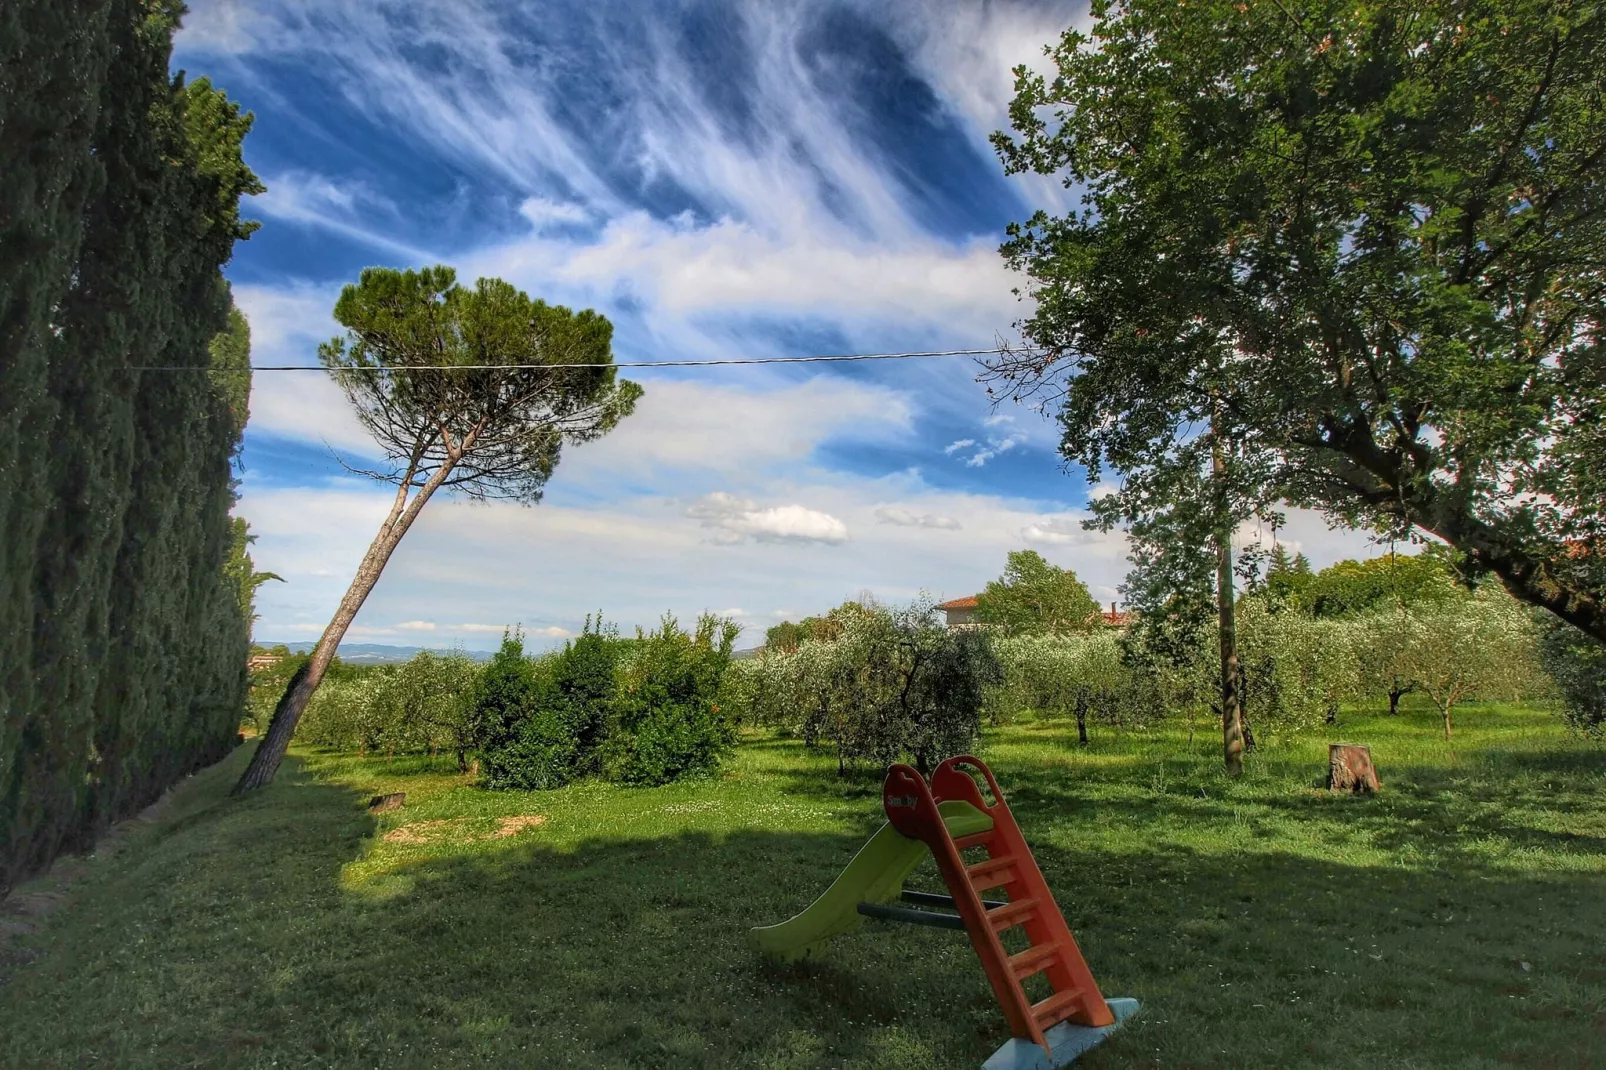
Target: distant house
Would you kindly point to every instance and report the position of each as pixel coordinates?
(1116, 618)
(257, 662)
(959, 611)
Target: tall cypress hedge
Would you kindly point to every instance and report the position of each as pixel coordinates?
(122, 639)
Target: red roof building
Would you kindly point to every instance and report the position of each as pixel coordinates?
(959, 611)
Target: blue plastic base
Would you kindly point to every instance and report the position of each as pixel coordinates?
(1067, 1040)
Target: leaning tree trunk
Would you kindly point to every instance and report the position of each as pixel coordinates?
(287, 714)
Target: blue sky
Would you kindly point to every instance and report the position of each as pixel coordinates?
(719, 179)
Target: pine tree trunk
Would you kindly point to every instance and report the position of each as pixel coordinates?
(271, 751)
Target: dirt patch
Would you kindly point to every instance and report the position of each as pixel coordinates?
(512, 826)
(420, 832)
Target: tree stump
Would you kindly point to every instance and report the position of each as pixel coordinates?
(381, 803)
(1349, 768)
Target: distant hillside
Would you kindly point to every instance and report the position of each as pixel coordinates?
(378, 653)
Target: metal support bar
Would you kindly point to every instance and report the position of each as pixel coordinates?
(913, 917)
(937, 899)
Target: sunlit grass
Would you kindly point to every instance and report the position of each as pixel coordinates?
(1456, 920)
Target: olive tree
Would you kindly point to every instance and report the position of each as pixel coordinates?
(472, 391)
(1480, 647)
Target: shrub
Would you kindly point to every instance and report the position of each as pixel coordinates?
(1577, 664)
(580, 699)
(667, 722)
(522, 743)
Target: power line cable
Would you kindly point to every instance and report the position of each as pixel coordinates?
(612, 364)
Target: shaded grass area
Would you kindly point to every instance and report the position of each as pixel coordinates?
(1458, 920)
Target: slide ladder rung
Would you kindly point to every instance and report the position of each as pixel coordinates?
(1057, 1007)
(975, 839)
(991, 873)
(1033, 960)
(1011, 914)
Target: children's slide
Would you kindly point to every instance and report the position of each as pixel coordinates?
(875, 875)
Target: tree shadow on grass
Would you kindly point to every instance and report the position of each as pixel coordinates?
(247, 940)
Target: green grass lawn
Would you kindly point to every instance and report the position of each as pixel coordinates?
(1457, 920)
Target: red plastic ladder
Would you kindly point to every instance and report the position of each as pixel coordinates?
(912, 809)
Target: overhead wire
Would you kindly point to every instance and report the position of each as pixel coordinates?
(816, 359)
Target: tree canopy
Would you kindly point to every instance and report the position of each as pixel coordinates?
(1035, 596)
(1365, 243)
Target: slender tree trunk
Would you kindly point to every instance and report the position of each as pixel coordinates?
(1394, 701)
(270, 752)
(1081, 719)
(1445, 710)
(1232, 724)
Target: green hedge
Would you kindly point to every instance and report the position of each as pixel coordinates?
(122, 643)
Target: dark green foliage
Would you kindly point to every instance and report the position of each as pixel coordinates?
(521, 742)
(1362, 242)
(1034, 596)
(583, 688)
(242, 576)
(1349, 588)
(1577, 664)
(122, 641)
(667, 719)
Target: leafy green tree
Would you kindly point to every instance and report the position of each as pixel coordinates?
(1348, 588)
(883, 687)
(1034, 596)
(584, 683)
(1479, 647)
(1288, 579)
(667, 720)
(518, 749)
(467, 390)
(1577, 664)
(1360, 242)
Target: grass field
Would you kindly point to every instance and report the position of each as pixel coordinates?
(1457, 920)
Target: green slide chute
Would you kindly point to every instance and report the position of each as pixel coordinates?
(875, 875)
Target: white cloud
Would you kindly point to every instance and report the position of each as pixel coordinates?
(316, 200)
(417, 625)
(543, 213)
(892, 514)
(218, 27)
(956, 446)
(733, 519)
(1061, 531)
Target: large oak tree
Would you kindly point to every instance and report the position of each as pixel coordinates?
(1365, 242)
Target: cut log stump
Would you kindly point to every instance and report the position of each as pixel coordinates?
(380, 803)
(1349, 768)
